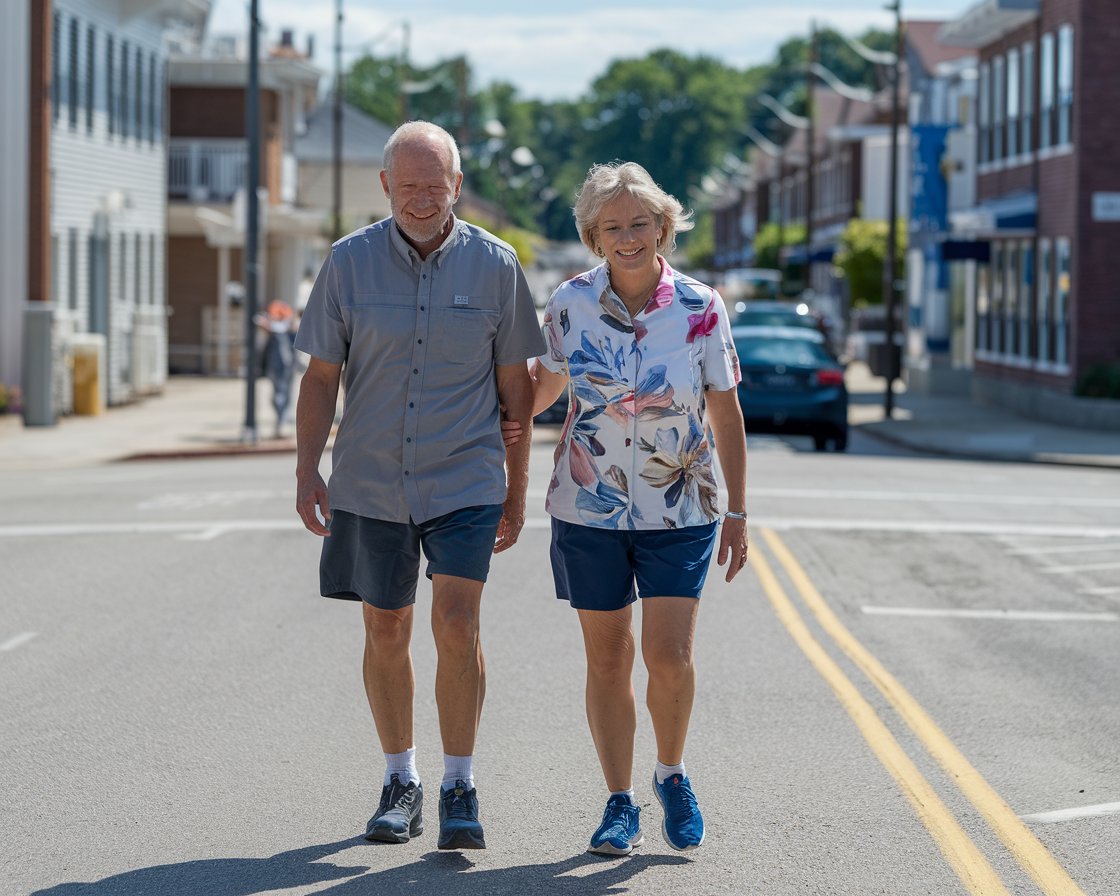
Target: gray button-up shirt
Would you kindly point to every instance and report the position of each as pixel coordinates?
(420, 434)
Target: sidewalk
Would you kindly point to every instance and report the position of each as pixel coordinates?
(204, 417)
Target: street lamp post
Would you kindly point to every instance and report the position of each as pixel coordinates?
(890, 293)
(252, 223)
(336, 131)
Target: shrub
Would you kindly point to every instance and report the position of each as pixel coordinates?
(1100, 381)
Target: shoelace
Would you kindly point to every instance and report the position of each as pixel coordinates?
(681, 801)
(621, 818)
(458, 806)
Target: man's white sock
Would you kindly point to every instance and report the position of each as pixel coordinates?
(403, 765)
(458, 768)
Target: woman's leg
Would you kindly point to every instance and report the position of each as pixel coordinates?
(611, 714)
(668, 627)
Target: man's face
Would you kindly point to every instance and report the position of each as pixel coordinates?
(421, 190)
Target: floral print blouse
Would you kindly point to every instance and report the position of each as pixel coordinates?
(635, 451)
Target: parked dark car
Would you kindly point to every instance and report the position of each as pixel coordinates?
(792, 384)
(779, 314)
(556, 413)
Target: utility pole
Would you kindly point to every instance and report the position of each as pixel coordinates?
(890, 293)
(810, 149)
(336, 130)
(252, 223)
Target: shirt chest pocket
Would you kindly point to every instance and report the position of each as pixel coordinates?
(464, 335)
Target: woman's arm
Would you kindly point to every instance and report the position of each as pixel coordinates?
(547, 387)
(726, 419)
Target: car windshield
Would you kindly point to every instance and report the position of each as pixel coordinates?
(796, 352)
(770, 317)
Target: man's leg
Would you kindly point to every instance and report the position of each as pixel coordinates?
(387, 671)
(460, 688)
(460, 667)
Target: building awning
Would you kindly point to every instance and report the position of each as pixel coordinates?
(987, 22)
(1018, 211)
(966, 250)
(819, 255)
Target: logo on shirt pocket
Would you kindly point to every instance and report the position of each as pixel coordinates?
(462, 300)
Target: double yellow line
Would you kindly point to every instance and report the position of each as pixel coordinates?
(970, 865)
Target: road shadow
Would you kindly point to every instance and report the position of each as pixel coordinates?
(433, 873)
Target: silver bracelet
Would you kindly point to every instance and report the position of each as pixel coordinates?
(735, 515)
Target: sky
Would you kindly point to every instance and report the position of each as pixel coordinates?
(553, 51)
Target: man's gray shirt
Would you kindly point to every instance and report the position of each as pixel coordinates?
(420, 434)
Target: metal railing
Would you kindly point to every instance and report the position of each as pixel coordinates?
(206, 170)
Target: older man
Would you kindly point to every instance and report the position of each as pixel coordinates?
(429, 321)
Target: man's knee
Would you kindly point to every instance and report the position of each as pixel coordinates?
(387, 629)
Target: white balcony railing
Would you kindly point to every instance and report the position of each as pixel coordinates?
(205, 170)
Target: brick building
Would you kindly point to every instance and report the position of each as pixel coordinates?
(1046, 307)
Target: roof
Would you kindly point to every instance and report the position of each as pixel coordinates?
(363, 137)
(922, 40)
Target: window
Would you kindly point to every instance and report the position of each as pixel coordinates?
(122, 269)
(1046, 92)
(151, 269)
(72, 94)
(1065, 85)
(72, 269)
(138, 94)
(996, 315)
(1026, 278)
(1062, 288)
(111, 83)
(984, 124)
(91, 76)
(1013, 97)
(1045, 297)
(137, 253)
(1011, 298)
(126, 106)
(56, 64)
(983, 307)
(153, 104)
(1026, 139)
(999, 107)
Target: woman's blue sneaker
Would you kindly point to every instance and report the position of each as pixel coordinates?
(683, 827)
(619, 834)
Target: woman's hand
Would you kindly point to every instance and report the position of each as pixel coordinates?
(733, 546)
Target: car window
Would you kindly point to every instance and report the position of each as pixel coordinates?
(751, 318)
(781, 351)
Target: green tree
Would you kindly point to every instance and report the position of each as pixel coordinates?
(861, 256)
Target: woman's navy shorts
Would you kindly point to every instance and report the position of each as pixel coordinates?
(597, 569)
(378, 562)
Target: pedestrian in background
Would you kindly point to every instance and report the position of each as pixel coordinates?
(431, 321)
(278, 357)
(647, 357)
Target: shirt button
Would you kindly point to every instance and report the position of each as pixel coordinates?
(421, 307)
(406, 472)
(408, 440)
(419, 341)
(425, 276)
(414, 370)
(411, 404)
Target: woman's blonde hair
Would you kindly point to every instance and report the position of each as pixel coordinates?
(606, 182)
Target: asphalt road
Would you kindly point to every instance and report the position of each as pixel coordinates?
(910, 690)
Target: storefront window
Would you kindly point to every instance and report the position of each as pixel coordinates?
(983, 307)
(996, 317)
(1013, 98)
(1063, 286)
(999, 107)
(1045, 298)
(1011, 299)
(984, 124)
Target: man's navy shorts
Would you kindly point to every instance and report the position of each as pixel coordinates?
(378, 562)
(597, 569)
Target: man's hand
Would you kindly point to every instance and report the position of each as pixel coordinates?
(511, 523)
(311, 494)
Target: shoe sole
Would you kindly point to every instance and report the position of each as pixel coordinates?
(388, 835)
(609, 849)
(461, 840)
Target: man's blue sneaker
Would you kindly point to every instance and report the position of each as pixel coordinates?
(619, 834)
(683, 827)
(458, 819)
(400, 815)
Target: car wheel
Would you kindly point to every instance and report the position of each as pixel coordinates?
(840, 442)
(820, 443)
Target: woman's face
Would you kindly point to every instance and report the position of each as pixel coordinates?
(628, 234)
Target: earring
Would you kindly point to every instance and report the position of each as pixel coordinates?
(599, 251)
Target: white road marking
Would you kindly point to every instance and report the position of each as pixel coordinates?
(1015, 615)
(1101, 591)
(1085, 567)
(17, 641)
(972, 499)
(210, 528)
(1072, 814)
(1067, 549)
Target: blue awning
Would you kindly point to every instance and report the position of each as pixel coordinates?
(966, 250)
(1016, 211)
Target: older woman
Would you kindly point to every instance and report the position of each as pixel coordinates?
(646, 355)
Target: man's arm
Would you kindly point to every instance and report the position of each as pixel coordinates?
(318, 395)
(515, 393)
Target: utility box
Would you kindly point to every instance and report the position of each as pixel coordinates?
(88, 352)
(39, 407)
